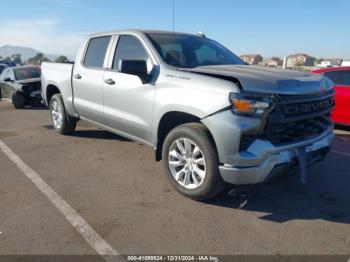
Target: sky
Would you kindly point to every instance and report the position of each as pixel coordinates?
(320, 28)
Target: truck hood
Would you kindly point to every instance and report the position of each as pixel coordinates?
(28, 81)
(265, 80)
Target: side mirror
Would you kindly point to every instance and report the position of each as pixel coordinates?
(7, 79)
(134, 67)
(137, 68)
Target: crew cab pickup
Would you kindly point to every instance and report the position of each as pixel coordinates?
(210, 118)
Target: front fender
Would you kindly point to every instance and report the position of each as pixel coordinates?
(193, 94)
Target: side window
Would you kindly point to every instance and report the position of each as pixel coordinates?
(96, 51)
(129, 48)
(340, 77)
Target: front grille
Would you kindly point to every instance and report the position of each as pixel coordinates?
(295, 118)
(28, 88)
(295, 131)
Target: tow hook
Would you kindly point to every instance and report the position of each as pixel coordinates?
(302, 164)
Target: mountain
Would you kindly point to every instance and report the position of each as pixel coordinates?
(26, 52)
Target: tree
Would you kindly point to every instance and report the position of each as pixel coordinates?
(38, 59)
(61, 59)
(16, 58)
(7, 59)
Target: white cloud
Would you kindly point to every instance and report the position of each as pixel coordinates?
(45, 35)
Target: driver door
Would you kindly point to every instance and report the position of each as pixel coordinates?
(128, 101)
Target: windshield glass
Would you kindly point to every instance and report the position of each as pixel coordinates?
(189, 51)
(27, 73)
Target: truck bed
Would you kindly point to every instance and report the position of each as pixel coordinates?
(58, 75)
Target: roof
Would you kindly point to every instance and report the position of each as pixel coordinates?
(139, 31)
(274, 58)
(253, 55)
(299, 54)
(328, 69)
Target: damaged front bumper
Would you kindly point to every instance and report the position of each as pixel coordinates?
(274, 161)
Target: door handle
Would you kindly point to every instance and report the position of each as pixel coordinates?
(77, 76)
(110, 81)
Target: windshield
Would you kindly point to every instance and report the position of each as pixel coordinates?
(27, 73)
(189, 51)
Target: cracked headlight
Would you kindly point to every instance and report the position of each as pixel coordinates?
(255, 105)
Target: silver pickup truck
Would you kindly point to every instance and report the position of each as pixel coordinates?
(211, 118)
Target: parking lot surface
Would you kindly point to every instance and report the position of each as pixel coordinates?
(120, 191)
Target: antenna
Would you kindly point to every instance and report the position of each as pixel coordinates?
(173, 15)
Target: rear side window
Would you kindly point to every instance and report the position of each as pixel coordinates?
(339, 77)
(129, 48)
(96, 51)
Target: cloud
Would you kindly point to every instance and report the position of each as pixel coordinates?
(45, 35)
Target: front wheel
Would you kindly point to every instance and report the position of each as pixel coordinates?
(62, 122)
(18, 100)
(191, 162)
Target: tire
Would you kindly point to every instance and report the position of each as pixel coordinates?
(62, 122)
(203, 160)
(18, 100)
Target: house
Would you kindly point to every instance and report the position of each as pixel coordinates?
(272, 62)
(300, 60)
(346, 63)
(328, 62)
(252, 59)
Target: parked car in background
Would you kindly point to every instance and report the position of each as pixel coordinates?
(340, 75)
(8, 63)
(21, 85)
(2, 68)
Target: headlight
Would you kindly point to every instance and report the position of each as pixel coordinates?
(255, 105)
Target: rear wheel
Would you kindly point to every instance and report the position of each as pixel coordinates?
(191, 162)
(18, 100)
(62, 122)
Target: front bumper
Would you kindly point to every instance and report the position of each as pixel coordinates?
(274, 160)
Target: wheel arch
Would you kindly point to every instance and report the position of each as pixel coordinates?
(169, 121)
(51, 90)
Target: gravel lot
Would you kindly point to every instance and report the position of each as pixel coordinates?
(121, 192)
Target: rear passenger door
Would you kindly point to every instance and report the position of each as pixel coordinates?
(88, 78)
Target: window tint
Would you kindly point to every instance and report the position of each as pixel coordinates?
(96, 51)
(205, 55)
(340, 77)
(129, 48)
